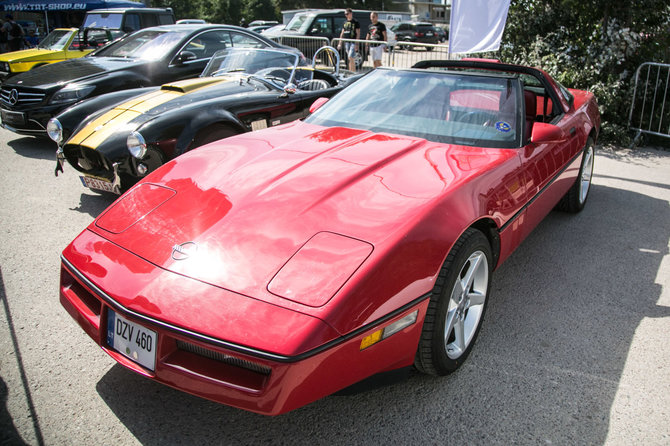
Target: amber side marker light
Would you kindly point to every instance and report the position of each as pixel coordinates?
(389, 330)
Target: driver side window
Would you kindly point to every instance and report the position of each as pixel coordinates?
(240, 40)
(206, 44)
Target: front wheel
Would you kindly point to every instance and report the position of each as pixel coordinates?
(457, 305)
(212, 133)
(575, 199)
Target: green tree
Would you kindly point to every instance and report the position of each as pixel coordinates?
(595, 45)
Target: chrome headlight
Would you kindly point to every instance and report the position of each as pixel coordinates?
(137, 146)
(55, 130)
(71, 93)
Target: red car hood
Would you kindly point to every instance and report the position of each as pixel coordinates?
(234, 212)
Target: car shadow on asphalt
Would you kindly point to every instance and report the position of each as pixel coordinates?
(546, 368)
(34, 147)
(94, 203)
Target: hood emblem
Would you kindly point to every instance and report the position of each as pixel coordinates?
(184, 250)
(13, 97)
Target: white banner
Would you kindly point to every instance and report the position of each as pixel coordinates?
(477, 25)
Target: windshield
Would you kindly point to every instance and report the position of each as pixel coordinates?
(444, 107)
(277, 66)
(103, 20)
(300, 22)
(145, 45)
(56, 40)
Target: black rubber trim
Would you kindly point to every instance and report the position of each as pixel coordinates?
(532, 200)
(229, 345)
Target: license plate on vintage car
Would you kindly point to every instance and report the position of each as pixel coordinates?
(12, 118)
(96, 183)
(132, 340)
(429, 34)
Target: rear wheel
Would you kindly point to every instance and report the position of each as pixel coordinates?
(457, 305)
(575, 199)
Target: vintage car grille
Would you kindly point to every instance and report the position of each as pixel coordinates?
(226, 359)
(87, 160)
(14, 97)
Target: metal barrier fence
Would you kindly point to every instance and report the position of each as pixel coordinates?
(400, 54)
(308, 45)
(650, 108)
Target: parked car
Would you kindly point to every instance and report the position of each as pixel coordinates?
(442, 31)
(191, 21)
(128, 20)
(151, 56)
(114, 140)
(61, 44)
(263, 22)
(270, 269)
(259, 28)
(317, 23)
(415, 32)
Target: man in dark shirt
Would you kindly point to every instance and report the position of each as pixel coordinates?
(376, 33)
(351, 29)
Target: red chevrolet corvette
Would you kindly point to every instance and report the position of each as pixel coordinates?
(273, 268)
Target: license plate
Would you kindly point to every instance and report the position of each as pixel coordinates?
(429, 34)
(95, 183)
(132, 340)
(13, 118)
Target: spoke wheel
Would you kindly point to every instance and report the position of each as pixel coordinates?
(457, 305)
(466, 305)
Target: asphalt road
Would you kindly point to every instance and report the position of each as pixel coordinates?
(574, 348)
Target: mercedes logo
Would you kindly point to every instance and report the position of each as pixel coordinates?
(184, 250)
(13, 97)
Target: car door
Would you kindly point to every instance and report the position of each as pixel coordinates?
(546, 165)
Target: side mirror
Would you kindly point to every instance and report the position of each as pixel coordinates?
(317, 104)
(547, 133)
(185, 56)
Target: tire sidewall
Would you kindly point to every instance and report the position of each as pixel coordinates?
(475, 242)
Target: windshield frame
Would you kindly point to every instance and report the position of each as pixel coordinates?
(307, 19)
(65, 39)
(235, 55)
(168, 40)
(393, 113)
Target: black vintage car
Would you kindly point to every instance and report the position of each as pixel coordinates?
(116, 139)
(148, 57)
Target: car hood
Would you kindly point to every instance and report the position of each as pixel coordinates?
(234, 212)
(30, 54)
(129, 115)
(72, 70)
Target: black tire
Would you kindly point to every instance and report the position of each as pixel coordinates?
(575, 198)
(440, 352)
(212, 133)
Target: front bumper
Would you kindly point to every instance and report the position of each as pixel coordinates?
(240, 375)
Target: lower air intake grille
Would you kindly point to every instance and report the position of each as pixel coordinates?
(226, 359)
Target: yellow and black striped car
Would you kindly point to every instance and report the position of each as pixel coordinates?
(116, 139)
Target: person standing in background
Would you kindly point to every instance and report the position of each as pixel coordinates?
(3, 37)
(15, 34)
(376, 33)
(351, 29)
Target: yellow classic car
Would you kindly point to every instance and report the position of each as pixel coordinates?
(59, 45)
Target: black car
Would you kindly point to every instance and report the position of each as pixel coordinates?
(148, 57)
(415, 32)
(116, 139)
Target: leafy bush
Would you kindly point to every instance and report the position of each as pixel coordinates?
(591, 45)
